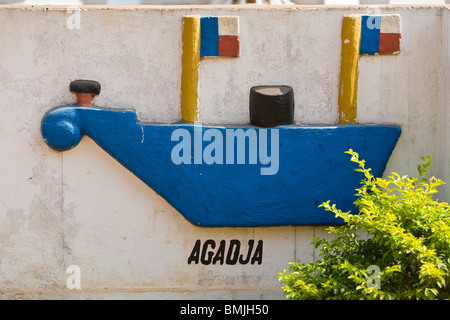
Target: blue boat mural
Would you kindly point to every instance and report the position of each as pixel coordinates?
(313, 166)
(270, 172)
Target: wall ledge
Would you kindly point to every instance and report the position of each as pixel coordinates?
(220, 7)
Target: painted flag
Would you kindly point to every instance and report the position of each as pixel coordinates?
(219, 36)
(380, 35)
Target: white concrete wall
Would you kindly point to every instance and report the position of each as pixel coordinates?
(82, 208)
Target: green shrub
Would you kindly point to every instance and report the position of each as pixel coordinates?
(396, 247)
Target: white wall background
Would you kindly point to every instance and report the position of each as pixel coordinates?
(82, 208)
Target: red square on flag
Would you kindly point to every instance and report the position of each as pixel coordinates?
(389, 43)
(228, 46)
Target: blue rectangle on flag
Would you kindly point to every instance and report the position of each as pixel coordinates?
(209, 37)
(370, 34)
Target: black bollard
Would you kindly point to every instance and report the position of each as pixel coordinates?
(271, 106)
(85, 91)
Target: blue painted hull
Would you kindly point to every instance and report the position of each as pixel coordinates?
(312, 166)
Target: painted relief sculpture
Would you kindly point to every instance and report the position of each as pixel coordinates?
(219, 36)
(380, 35)
(271, 172)
(363, 35)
